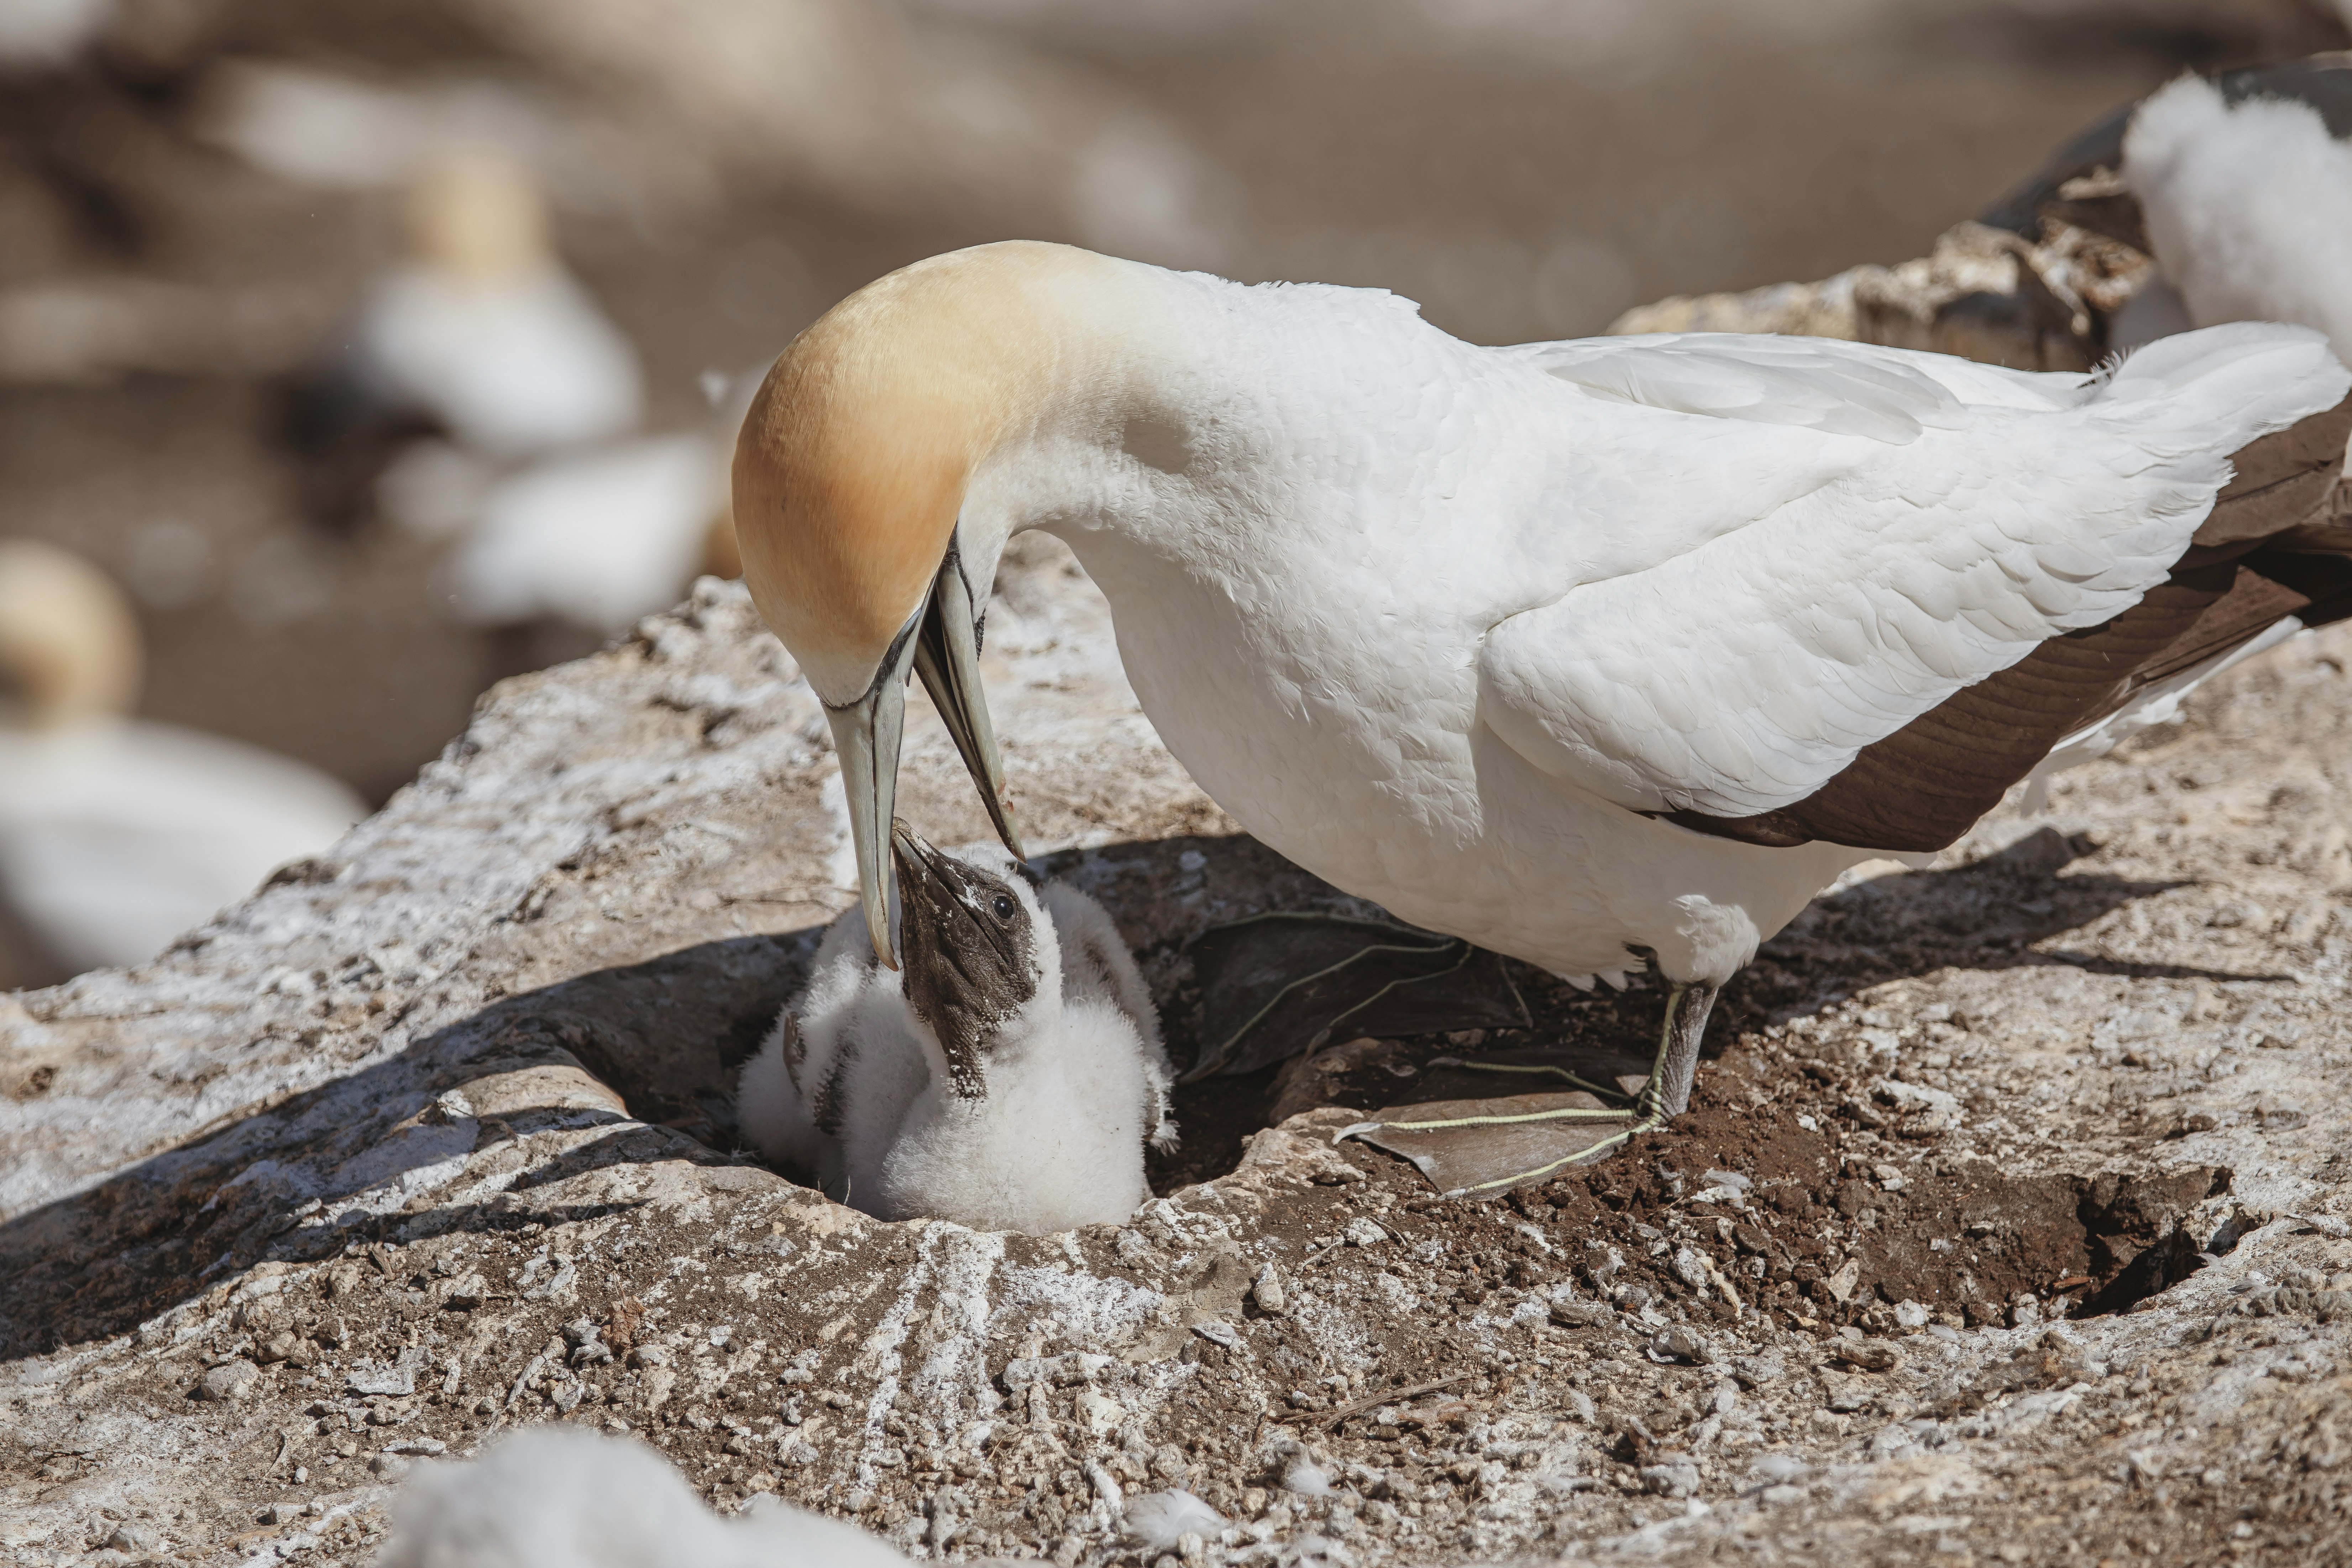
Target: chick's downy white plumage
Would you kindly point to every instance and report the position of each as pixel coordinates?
(2249, 205)
(1008, 1078)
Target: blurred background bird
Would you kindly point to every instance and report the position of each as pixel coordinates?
(119, 834)
(561, 1497)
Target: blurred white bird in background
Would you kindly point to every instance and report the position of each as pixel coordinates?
(598, 538)
(118, 834)
(558, 506)
(2248, 204)
(44, 33)
(560, 1497)
(481, 326)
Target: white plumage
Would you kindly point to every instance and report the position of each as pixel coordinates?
(2032, 509)
(561, 1497)
(1159, 1521)
(856, 1086)
(1449, 671)
(118, 834)
(600, 538)
(2249, 207)
(1459, 628)
(482, 327)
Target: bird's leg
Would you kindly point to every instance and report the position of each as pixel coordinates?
(1667, 1094)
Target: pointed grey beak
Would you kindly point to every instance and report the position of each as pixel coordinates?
(941, 643)
(947, 655)
(867, 734)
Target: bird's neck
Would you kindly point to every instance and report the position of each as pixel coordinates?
(1013, 1049)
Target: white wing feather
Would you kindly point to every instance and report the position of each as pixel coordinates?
(1996, 511)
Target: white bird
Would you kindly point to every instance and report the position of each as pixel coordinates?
(2247, 204)
(1581, 651)
(2238, 186)
(1009, 1079)
(50, 33)
(561, 1497)
(598, 537)
(481, 328)
(118, 834)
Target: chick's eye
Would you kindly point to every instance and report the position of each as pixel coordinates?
(1003, 907)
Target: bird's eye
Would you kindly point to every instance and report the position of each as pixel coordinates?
(1003, 907)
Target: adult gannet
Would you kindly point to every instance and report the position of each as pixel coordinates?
(118, 834)
(482, 329)
(1008, 1079)
(1579, 651)
(598, 537)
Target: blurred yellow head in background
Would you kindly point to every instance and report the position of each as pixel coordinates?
(68, 639)
(477, 216)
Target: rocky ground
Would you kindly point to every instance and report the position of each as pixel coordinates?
(2011, 1222)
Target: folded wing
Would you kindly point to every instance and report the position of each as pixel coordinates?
(1875, 661)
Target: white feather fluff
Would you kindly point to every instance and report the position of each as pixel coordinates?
(558, 1497)
(1075, 1087)
(2249, 207)
(512, 366)
(1161, 1520)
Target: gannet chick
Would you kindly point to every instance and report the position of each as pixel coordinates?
(482, 329)
(118, 834)
(1599, 655)
(2248, 206)
(558, 1497)
(1007, 1079)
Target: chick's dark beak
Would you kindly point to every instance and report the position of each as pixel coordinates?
(968, 945)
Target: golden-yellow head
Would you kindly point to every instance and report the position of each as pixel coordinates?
(851, 473)
(479, 217)
(853, 461)
(68, 639)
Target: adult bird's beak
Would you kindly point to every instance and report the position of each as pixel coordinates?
(941, 642)
(947, 655)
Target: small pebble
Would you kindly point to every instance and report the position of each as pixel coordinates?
(229, 1381)
(1679, 1344)
(1871, 1355)
(1691, 1269)
(137, 1537)
(1573, 1314)
(1267, 1292)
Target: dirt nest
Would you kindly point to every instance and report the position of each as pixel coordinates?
(2009, 1223)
